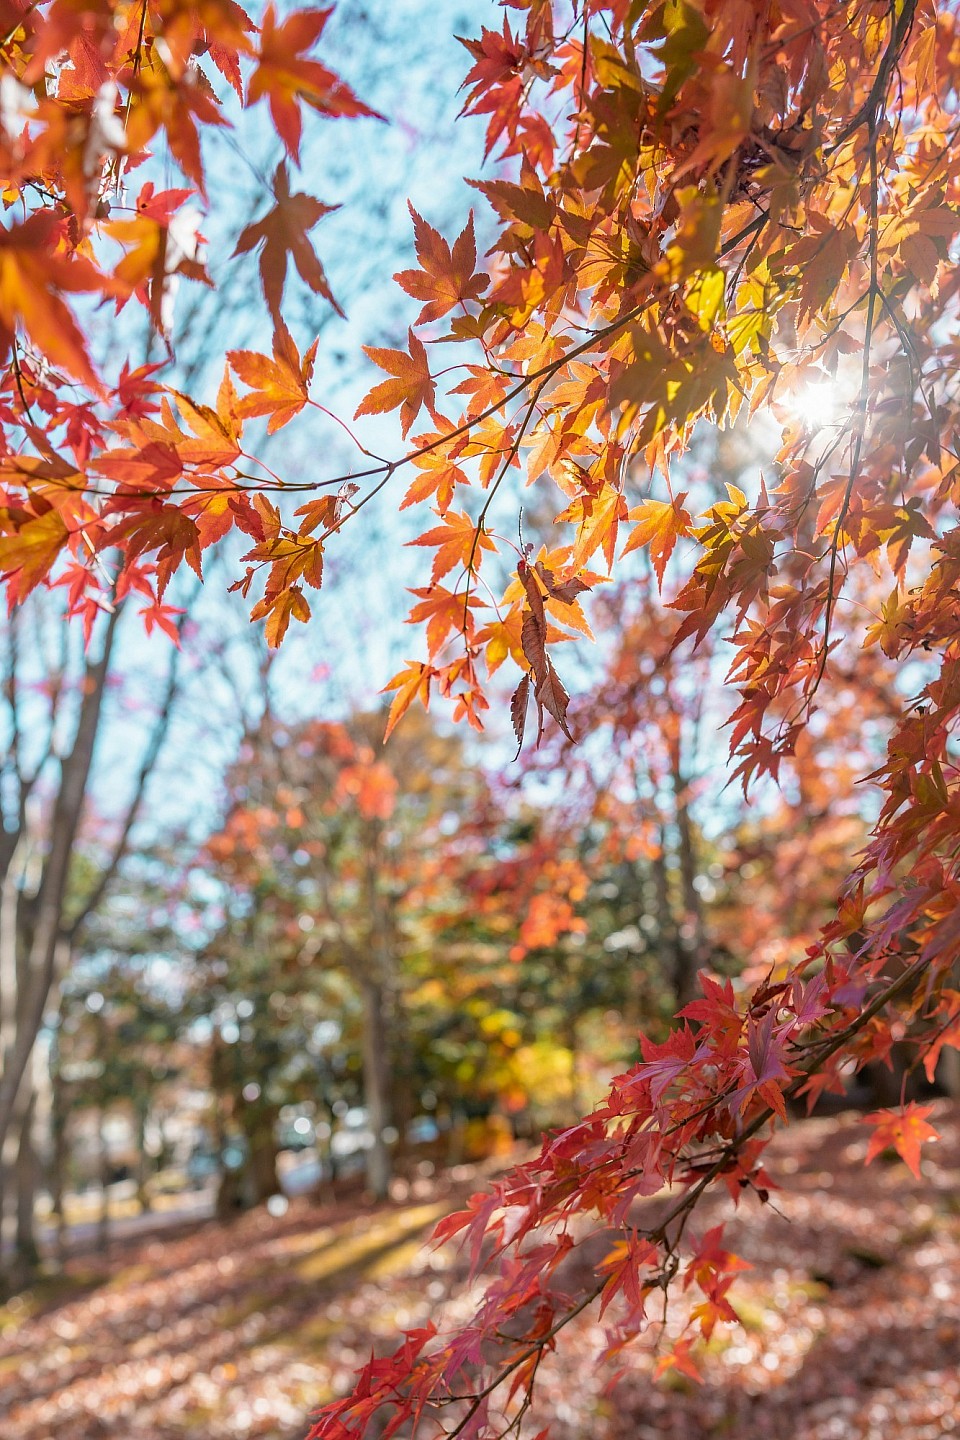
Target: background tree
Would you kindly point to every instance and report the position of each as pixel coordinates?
(324, 856)
(54, 693)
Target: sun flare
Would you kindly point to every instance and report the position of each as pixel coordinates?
(818, 404)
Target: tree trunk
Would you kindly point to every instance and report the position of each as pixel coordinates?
(229, 1187)
(12, 848)
(948, 1071)
(571, 1041)
(375, 1088)
(690, 937)
(143, 1194)
(378, 971)
(39, 918)
(261, 1168)
(58, 1161)
(103, 1222)
(672, 953)
(27, 1261)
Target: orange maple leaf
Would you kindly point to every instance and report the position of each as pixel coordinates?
(502, 637)
(411, 683)
(287, 78)
(175, 103)
(34, 271)
(893, 627)
(282, 234)
(213, 511)
(904, 1131)
(279, 387)
(144, 232)
(597, 517)
(678, 1359)
(459, 542)
(660, 523)
(411, 389)
(440, 474)
(148, 260)
(443, 610)
(446, 277)
(278, 609)
(715, 1307)
(28, 555)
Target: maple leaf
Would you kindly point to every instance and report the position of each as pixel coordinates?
(162, 617)
(435, 457)
(548, 690)
(717, 1011)
(597, 517)
(660, 523)
(214, 512)
(282, 235)
(446, 277)
(410, 684)
(893, 628)
(663, 1064)
(279, 387)
(291, 558)
(174, 99)
(518, 710)
(503, 636)
(217, 433)
(765, 1065)
(903, 1130)
(678, 1358)
(552, 697)
(327, 512)
(711, 1259)
(287, 78)
(35, 270)
(443, 610)
(459, 542)
(715, 1307)
(623, 1265)
(164, 528)
(412, 388)
(907, 524)
(278, 610)
(149, 260)
(533, 639)
(566, 591)
(28, 555)
(437, 481)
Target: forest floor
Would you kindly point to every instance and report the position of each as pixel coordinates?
(851, 1316)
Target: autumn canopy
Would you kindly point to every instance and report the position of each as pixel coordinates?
(698, 212)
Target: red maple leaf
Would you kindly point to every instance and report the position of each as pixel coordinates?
(446, 277)
(288, 79)
(902, 1130)
(282, 236)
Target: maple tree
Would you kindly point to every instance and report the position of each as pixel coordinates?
(702, 212)
(332, 860)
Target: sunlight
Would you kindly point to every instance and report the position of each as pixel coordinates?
(822, 401)
(818, 404)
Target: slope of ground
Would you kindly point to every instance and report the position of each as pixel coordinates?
(851, 1317)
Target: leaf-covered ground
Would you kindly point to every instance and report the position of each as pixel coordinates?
(851, 1316)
